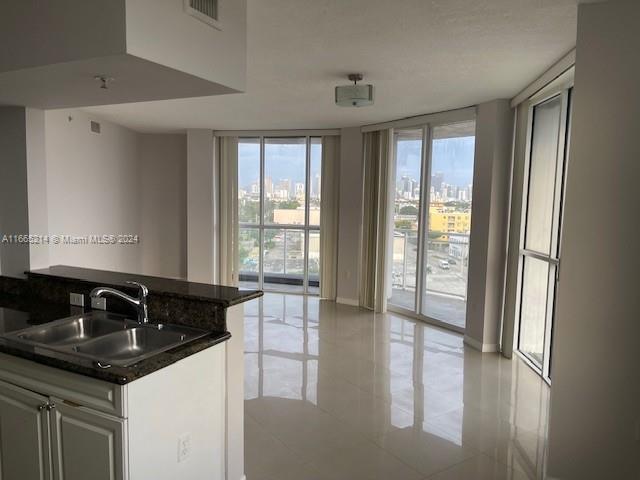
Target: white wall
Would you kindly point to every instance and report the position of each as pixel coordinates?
(60, 31)
(111, 183)
(350, 221)
(594, 429)
(93, 188)
(160, 31)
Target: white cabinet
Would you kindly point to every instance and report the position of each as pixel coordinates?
(86, 444)
(45, 438)
(56, 425)
(23, 456)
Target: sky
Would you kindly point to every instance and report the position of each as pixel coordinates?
(281, 162)
(451, 156)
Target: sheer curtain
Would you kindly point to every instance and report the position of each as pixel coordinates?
(378, 183)
(228, 259)
(330, 188)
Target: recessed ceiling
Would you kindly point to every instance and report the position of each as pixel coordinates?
(422, 56)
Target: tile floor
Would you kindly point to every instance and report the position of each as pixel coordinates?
(333, 392)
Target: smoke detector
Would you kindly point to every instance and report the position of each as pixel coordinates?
(354, 95)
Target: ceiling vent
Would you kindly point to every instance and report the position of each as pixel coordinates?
(204, 10)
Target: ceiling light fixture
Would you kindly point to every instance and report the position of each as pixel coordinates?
(354, 95)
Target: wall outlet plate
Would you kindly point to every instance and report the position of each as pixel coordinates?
(184, 447)
(99, 303)
(76, 299)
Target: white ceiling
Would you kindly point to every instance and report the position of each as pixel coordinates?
(422, 56)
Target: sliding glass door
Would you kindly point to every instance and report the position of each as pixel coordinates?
(279, 182)
(406, 221)
(540, 239)
(449, 223)
(433, 168)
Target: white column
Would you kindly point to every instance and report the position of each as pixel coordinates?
(350, 220)
(494, 127)
(23, 189)
(201, 200)
(37, 186)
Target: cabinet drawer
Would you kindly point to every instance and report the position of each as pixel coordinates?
(86, 391)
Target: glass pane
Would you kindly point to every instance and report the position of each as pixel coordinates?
(447, 255)
(533, 308)
(314, 262)
(315, 179)
(249, 180)
(283, 260)
(542, 175)
(284, 180)
(249, 250)
(408, 163)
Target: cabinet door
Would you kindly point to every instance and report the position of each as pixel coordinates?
(87, 444)
(24, 435)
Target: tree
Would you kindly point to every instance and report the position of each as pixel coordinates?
(408, 210)
(289, 205)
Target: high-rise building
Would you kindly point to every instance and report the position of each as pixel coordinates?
(436, 181)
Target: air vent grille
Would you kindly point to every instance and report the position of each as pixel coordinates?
(203, 8)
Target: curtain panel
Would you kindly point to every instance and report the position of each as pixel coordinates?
(378, 187)
(330, 189)
(228, 257)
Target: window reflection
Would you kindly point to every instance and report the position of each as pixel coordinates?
(396, 379)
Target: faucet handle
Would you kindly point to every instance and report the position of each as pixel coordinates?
(143, 291)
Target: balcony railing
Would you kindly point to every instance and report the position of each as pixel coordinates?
(446, 263)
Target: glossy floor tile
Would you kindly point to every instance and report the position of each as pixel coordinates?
(334, 392)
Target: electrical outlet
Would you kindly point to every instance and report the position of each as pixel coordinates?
(184, 447)
(99, 303)
(76, 299)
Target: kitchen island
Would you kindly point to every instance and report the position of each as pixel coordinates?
(175, 414)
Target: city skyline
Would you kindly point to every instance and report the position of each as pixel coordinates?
(451, 157)
(283, 162)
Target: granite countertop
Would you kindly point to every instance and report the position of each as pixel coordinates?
(17, 313)
(218, 294)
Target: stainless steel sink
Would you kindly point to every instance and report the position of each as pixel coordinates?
(107, 338)
(132, 345)
(74, 330)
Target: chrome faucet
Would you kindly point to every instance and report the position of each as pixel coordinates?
(139, 303)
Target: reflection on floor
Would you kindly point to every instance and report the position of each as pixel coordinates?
(449, 309)
(333, 392)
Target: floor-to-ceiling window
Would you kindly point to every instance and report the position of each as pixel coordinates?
(540, 239)
(449, 223)
(279, 181)
(406, 219)
(433, 168)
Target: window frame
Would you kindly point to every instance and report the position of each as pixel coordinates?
(263, 226)
(428, 125)
(564, 93)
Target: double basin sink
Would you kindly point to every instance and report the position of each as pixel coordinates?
(106, 338)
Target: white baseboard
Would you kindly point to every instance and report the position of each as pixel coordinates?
(348, 301)
(482, 347)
